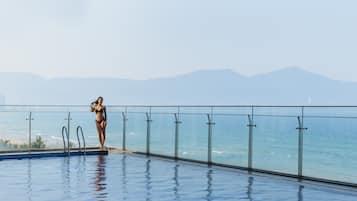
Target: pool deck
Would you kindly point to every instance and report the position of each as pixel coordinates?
(4, 155)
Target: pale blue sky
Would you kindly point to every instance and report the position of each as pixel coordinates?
(154, 38)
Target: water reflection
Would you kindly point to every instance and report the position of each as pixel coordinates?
(124, 179)
(209, 185)
(176, 181)
(249, 188)
(148, 180)
(178, 193)
(100, 177)
(81, 164)
(81, 169)
(66, 179)
(29, 180)
(300, 193)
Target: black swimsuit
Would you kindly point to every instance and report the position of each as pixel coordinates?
(96, 111)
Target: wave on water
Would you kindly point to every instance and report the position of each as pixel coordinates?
(217, 152)
(56, 138)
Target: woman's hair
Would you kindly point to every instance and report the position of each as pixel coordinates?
(96, 101)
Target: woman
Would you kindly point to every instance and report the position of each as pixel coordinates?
(100, 119)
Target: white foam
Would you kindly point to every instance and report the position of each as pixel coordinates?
(217, 152)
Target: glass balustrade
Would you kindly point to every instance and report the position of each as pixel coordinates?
(13, 130)
(193, 135)
(275, 139)
(330, 143)
(163, 130)
(230, 135)
(47, 130)
(316, 142)
(136, 128)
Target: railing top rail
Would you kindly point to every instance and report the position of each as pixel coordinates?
(175, 106)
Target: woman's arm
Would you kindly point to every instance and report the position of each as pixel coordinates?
(92, 108)
(105, 113)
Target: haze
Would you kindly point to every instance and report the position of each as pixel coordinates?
(142, 39)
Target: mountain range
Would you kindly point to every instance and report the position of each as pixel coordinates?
(289, 86)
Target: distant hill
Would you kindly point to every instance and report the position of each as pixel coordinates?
(290, 86)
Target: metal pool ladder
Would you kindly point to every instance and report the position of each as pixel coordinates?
(79, 128)
(66, 143)
(65, 135)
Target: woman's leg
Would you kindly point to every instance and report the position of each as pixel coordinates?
(99, 129)
(103, 128)
(102, 133)
(102, 140)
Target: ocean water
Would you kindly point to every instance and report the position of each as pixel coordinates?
(329, 149)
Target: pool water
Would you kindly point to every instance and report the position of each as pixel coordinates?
(136, 177)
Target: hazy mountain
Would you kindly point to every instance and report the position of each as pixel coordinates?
(289, 86)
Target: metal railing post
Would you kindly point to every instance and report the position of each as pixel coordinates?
(251, 125)
(148, 129)
(68, 130)
(210, 123)
(124, 130)
(30, 131)
(301, 142)
(177, 126)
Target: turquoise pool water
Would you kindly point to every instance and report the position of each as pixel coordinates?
(135, 177)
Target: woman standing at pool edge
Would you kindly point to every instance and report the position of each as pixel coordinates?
(100, 119)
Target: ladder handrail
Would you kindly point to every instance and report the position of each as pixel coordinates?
(64, 132)
(79, 128)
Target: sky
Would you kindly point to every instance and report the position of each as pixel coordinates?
(141, 39)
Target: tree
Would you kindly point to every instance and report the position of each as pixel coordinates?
(38, 143)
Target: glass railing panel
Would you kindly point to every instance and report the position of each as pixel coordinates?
(193, 139)
(47, 130)
(230, 135)
(163, 130)
(136, 128)
(330, 143)
(13, 130)
(114, 132)
(86, 120)
(275, 139)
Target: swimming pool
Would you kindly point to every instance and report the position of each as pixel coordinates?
(136, 177)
